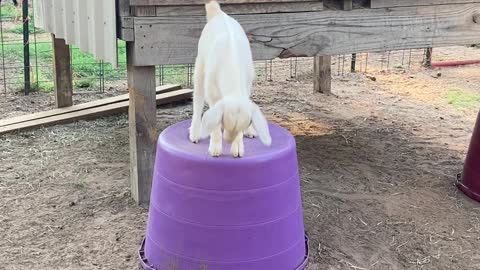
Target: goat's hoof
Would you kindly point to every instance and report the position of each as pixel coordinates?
(238, 150)
(215, 154)
(237, 155)
(194, 138)
(250, 133)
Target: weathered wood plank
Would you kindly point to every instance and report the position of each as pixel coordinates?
(123, 10)
(340, 4)
(127, 22)
(80, 107)
(322, 74)
(93, 113)
(143, 11)
(123, 7)
(127, 34)
(125, 29)
(241, 8)
(142, 128)
(347, 5)
(202, 2)
(315, 33)
(407, 3)
(62, 73)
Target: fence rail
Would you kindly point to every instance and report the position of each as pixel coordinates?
(26, 60)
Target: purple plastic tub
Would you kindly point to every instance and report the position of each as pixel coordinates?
(224, 213)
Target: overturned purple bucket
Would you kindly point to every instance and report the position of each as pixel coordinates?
(224, 213)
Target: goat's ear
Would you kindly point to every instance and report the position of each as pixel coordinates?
(261, 125)
(211, 119)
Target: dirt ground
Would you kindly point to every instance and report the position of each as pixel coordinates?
(378, 163)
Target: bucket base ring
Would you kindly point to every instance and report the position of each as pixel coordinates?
(147, 266)
(466, 190)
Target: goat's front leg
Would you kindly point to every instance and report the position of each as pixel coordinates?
(196, 126)
(215, 147)
(198, 103)
(238, 149)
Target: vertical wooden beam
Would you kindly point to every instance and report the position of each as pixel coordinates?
(427, 62)
(123, 10)
(353, 66)
(142, 129)
(62, 73)
(322, 74)
(123, 7)
(347, 5)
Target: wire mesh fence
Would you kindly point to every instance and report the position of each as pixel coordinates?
(91, 75)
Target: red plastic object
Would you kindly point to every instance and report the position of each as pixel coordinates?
(469, 181)
(455, 63)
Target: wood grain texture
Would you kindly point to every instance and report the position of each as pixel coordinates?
(407, 3)
(241, 8)
(126, 34)
(322, 74)
(62, 73)
(127, 22)
(123, 10)
(347, 5)
(92, 113)
(173, 40)
(202, 2)
(80, 107)
(143, 11)
(142, 127)
(123, 7)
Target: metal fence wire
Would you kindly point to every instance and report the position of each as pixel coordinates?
(27, 62)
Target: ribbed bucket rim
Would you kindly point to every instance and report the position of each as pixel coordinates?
(147, 266)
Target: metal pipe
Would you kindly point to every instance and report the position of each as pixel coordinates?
(455, 63)
(26, 47)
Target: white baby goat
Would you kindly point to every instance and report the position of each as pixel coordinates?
(223, 77)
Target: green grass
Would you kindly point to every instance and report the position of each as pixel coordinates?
(463, 100)
(86, 70)
(40, 81)
(18, 29)
(9, 11)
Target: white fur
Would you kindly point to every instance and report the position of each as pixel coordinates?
(223, 77)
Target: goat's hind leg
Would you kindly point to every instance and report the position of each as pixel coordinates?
(215, 147)
(250, 132)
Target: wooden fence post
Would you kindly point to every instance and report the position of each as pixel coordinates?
(142, 115)
(322, 72)
(63, 73)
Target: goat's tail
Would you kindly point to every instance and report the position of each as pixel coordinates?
(213, 9)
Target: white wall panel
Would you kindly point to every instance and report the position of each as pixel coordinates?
(88, 24)
(69, 22)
